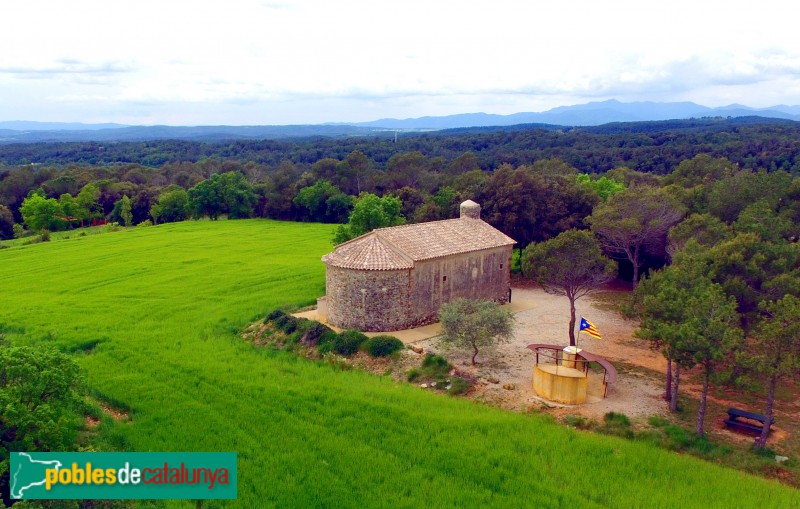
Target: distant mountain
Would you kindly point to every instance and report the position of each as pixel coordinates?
(25, 125)
(586, 115)
(198, 133)
(589, 114)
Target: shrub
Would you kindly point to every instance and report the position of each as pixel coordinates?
(336, 362)
(458, 386)
(45, 236)
(290, 324)
(314, 333)
(381, 346)
(613, 418)
(348, 342)
(146, 222)
(617, 424)
(435, 365)
(18, 230)
(274, 314)
(576, 421)
(282, 320)
(413, 374)
(325, 342)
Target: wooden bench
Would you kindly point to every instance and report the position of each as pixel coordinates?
(735, 417)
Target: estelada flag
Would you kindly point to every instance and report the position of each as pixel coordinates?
(589, 328)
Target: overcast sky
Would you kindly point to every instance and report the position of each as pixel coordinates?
(307, 61)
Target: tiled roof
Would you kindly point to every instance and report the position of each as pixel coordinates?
(368, 252)
(399, 247)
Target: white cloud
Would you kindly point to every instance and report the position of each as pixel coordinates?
(354, 60)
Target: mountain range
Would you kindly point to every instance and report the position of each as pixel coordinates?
(589, 114)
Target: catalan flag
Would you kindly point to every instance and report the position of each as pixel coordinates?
(589, 328)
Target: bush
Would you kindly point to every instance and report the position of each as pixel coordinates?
(290, 324)
(45, 236)
(314, 334)
(577, 421)
(617, 424)
(613, 418)
(435, 365)
(336, 362)
(413, 374)
(146, 222)
(18, 230)
(274, 314)
(348, 342)
(458, 386)
(325, 342)
(381, 346)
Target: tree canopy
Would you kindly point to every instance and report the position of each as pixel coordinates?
(635, 220)
(39, 398)
(370, 212)
(571, 264)
(474, 324)
(692, 319)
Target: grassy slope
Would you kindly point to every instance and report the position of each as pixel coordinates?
(165, 304)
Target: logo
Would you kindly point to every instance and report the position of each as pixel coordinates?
(120, 475)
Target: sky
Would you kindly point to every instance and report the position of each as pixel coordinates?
(276, 62)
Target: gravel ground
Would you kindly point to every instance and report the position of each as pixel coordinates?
(544, 318)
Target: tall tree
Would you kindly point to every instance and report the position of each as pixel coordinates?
(474, 324)
(6, 223)
(205, 199)
(238, 196)
(125, 211)
(705, 229)
(692, 317)
(754, 271)
(88, 201)
(171, 207)
(536, 203)
(633, 220)
(370, 212)
(41, 213)
(729, 196)
(773, 352)
(571, 265)
(323, 202)
(760, 218)
(603, 186)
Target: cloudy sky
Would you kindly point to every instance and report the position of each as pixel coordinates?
(311, 61)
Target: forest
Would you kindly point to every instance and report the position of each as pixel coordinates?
(533, 183)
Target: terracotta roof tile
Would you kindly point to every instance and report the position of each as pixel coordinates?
(399, 247)
(368, 252)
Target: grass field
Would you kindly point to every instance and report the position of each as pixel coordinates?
(153, 315)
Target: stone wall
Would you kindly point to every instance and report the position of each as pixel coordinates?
(367, 300)
(377, 300)
(478, 275)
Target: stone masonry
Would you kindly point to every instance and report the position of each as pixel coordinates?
(397, 278)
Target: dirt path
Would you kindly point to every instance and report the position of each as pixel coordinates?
(544, 318)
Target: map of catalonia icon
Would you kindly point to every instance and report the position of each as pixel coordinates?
(29, 474)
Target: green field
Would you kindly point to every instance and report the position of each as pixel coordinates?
(164, 306)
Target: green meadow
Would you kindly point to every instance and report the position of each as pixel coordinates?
(154, 314)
